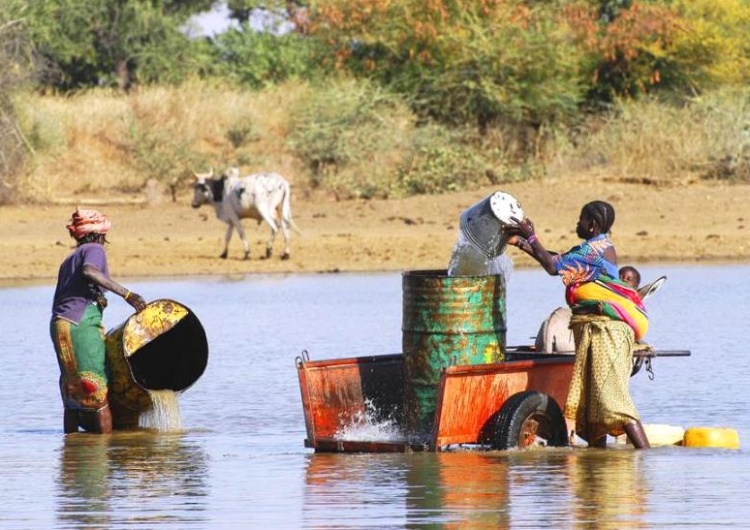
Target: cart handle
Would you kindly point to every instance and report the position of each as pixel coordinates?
(662, 353)
(526, 350)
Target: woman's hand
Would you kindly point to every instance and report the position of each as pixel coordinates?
(525, 228)
(520, 242)
(522, 235)
(135, 300)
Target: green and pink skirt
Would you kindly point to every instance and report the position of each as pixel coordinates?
(81, 356)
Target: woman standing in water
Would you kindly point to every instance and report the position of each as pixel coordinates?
(608, 317)
(76, 326)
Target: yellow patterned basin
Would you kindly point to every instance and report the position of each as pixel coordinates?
(162, 347)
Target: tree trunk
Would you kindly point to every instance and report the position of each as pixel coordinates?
(123, 75)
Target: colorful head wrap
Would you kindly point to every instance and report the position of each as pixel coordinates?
(84, 222)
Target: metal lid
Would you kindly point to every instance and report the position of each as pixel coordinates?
(506, 208)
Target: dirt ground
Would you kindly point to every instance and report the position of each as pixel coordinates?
(691, 223)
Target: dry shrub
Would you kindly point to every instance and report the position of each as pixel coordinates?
(353, 141)
(655, 142)
(359, 140)
(103, 142)
(77, 144)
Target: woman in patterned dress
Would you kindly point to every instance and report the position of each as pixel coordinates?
(608, 317)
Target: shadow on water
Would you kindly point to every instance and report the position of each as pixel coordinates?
(102, 479)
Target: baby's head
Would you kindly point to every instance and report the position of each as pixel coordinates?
(630, 275)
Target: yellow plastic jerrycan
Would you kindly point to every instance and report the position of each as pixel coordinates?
(722, 437)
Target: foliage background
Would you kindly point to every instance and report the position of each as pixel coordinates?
(371, 98)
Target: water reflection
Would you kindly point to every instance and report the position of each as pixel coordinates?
(609, 489)
(84, 485)
(135, 474)
(459, 490)
(366, 487)
(573, 488)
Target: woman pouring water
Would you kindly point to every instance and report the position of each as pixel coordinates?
(608, 317)
(76, 326)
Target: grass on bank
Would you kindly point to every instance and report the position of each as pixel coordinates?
(354, 140)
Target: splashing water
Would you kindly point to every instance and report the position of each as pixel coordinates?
(164, 416)
(483, 236)
(468, 260)
(368, 426)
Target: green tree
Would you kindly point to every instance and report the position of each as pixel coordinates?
(260, 58)
(610, 9)
(460, 61)
(112, 42)
(630, 47)
(712, 48)
(16, 69)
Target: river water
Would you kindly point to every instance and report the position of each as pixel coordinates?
(240, 461)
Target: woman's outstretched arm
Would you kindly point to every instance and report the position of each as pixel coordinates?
(524, 237)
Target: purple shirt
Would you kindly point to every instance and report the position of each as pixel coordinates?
(73, 290)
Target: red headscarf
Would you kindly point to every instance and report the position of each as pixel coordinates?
(84, 222)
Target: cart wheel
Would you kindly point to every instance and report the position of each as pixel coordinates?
(530, 419)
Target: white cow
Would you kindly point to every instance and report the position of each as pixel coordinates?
(261, 196)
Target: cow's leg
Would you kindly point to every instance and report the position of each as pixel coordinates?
(269, 219)
(285, 228)
(227, 237)
(245, 244)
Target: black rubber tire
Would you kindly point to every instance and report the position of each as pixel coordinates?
(528, 419)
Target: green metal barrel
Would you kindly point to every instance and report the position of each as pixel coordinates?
(447, 320)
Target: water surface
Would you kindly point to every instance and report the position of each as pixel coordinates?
(241, 463)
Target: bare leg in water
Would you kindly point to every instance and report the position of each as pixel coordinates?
(70, 421)
(99, 422)
(570, 426)
(637, 435)
(105, 420)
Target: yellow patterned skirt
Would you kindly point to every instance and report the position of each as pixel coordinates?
(599, 398)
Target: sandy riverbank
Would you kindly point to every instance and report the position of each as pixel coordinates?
(692, 223)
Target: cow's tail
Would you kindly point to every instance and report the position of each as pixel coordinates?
(286, 208)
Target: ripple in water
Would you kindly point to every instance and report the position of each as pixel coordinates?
(164, 416)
